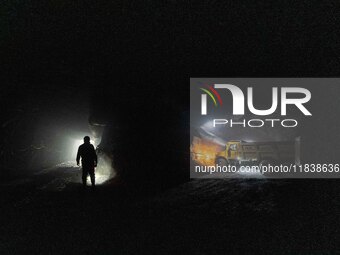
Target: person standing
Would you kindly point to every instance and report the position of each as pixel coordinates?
(89, 160)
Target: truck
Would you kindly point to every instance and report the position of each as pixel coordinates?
(259, 153)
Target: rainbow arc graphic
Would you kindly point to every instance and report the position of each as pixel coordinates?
(213, 94)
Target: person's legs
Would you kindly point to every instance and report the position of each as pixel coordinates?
(84, 176)
(92, 176)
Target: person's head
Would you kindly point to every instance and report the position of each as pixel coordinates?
(86, 139)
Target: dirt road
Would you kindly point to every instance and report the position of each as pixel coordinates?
(50, 213)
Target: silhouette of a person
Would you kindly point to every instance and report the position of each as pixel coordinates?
(89, 160)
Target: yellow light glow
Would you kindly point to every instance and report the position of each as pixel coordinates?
(204, 152)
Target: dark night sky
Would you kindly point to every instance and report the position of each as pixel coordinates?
(75, 42)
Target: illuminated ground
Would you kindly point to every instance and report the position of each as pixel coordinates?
(49, 213)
